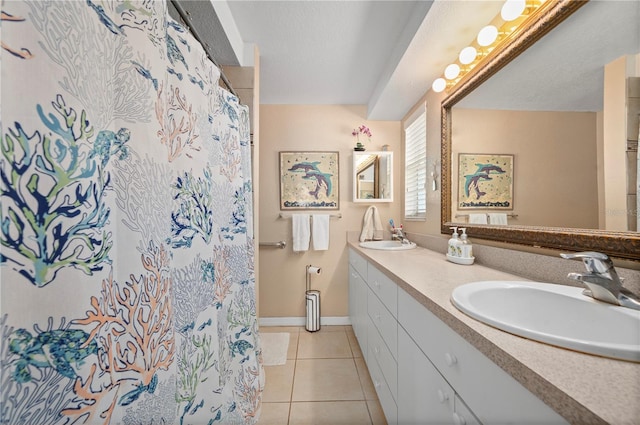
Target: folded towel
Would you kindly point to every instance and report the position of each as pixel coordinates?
(320, 230)
(367, 225)
(300, 223)
(371, 225)
(478, 218)
(498, 218)
(377, 225)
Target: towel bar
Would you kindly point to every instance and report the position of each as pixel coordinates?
(279, 244)
(283, 215)
(467, 215)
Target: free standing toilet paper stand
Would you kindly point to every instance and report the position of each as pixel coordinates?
(312, 298)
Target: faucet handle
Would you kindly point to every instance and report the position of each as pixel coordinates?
(595, 262)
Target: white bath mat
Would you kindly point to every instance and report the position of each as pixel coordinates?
(274, 348)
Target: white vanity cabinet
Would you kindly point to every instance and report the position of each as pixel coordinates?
(358, 298)
(423, 371)
(424, 396)
(489, 392)
(373, 317)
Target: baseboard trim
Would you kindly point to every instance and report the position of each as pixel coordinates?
(300, 321)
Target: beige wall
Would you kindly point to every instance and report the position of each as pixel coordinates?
(555, 161)
(615, 141)
(314, 128)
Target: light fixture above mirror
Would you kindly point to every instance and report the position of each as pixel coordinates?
(514, 15)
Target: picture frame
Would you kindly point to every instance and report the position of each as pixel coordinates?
(485, 181)
(309, 180)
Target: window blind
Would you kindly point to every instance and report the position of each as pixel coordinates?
(415, 163)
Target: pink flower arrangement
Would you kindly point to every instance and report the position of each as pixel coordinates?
(364, 130)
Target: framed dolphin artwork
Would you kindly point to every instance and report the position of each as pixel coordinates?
(309, 180)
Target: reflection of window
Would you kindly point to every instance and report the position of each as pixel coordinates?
(415, 166)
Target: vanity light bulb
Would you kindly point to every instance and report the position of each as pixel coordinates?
(439, 85)
(452, 71)
(468, 55)
(487, 35)
(512, 9)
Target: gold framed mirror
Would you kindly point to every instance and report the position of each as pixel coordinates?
(616, 243)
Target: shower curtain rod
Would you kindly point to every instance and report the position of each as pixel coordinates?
(186, 19)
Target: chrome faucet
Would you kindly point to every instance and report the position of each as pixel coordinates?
(398, 235)
(602, 280)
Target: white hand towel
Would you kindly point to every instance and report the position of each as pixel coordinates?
(478, 218)
(367, 225)
(498, 218)
(377, 224)
(300, 223)
(320, 230)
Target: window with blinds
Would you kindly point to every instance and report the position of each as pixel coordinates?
(415, 167)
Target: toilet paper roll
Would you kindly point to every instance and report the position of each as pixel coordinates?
(313, 270)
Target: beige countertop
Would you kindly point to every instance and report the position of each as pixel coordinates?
(583, 388)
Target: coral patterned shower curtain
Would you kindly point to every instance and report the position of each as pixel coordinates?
(127, 281)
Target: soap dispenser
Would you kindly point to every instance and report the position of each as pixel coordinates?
(465, 245)
(454, 244)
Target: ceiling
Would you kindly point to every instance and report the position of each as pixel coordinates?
(386, 54)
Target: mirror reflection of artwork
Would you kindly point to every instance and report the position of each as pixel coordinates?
(309, 180)
(485, 181)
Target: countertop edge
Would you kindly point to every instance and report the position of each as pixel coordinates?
(564, 404)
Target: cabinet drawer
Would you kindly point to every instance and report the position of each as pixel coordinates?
(490, 392)
(359, 263)
(384, 288)
(384, 322)
(384, 394)
(386, 362)
(424, 397)
(462, 413)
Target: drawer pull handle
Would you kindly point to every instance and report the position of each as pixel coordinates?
(376, 350)
(377, 384)
(450, 359)
(442, 396)
(458, 420)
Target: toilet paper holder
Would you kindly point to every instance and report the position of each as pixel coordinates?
(313, 269)
(312, 300)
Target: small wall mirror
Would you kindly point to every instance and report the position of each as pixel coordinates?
(373, 177)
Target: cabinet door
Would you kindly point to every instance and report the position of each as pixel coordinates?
(384, 288)
(384, 321)
(424, 397)
(359, 263)
(358, 307)
(353, 308)
(493, 395)
(462, 414)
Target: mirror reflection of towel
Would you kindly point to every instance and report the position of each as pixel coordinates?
(498, 218)
(478, 218)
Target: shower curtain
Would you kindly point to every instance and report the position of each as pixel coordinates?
(127, 282)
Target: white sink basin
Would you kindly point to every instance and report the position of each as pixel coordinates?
(388, 245)
(556, 314)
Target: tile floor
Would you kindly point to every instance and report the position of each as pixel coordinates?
(325, 381)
